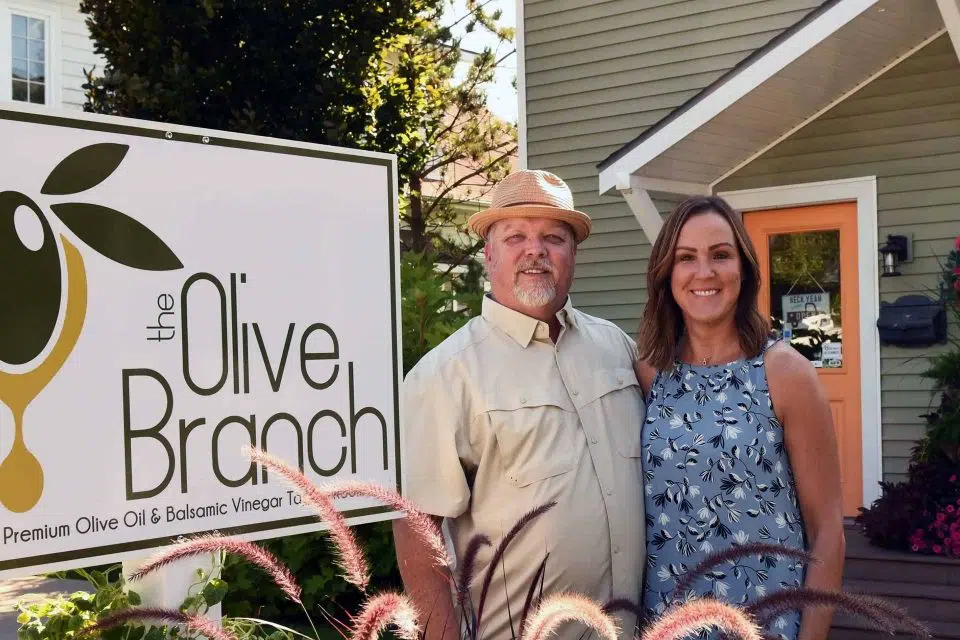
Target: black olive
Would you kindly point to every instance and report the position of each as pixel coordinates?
(30, 282)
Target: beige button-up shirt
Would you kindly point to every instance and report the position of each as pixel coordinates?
(499, 420)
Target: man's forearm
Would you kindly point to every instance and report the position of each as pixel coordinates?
(427, 585)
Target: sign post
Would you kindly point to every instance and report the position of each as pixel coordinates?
(169, 295)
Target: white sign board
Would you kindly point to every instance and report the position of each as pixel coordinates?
(168, 296)
(798, 306)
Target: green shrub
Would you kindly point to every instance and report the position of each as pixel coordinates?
(66, 617)
(311, 559)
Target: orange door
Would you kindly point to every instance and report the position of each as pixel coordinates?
(808, 266)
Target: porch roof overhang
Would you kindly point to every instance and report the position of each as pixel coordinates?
(826, 57)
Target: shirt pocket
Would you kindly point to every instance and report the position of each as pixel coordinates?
(618, 406)
(536, 436)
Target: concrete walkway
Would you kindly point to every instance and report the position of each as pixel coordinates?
(32, 588)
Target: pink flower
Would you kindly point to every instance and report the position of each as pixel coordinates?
(950, 508)
(941, 517)
(953, 478)
(956, 244)
(915, 547)
(937, 549)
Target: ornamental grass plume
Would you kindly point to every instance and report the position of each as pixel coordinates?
(422, 524)
(559, 608)
(195, 623)
(514, 531)
(881, 614)
(736, 552)
(467, 565)
(702, 615)
(205, 544)
(350, 556)
(384, 609)
(536, 587)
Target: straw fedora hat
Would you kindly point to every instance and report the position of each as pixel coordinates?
(531, 194)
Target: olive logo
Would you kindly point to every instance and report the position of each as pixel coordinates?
(44, 280)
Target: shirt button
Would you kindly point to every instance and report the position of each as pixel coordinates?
(619, 380)
(609, 492)
(575, 392)
(593, 440)
(523, 400)
(616, 548)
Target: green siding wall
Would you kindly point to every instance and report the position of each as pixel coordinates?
(597, 74)
(904, 128)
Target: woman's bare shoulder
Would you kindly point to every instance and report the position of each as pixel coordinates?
(789, 373)
(645, 374)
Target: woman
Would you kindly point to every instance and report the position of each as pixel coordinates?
(739, 441)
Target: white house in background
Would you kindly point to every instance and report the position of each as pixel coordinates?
(44, 48)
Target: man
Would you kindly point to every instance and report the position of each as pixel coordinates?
(531, 402)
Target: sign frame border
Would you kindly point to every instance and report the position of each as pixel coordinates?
(213, 137)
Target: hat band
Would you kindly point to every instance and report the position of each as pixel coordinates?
(528, 203)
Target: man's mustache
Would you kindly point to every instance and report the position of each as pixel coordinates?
(542, 265)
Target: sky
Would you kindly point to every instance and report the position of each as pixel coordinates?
(501, 96)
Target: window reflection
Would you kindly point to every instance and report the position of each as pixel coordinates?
(805, 294)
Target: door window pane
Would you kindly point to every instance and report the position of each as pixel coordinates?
(36, 72)
(19, 47)
(35, 29)
(20, 90)
(28, 64)
(20, 26)
(36, 93)
(35, 50)
(19, 69)
(805, 294)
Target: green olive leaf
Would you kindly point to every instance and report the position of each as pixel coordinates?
(84, 169)
(117, 236)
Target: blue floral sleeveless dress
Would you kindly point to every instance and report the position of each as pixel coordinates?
(717, 474)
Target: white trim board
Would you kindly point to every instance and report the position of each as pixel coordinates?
(758, 72)
(863, 191)
(950, 10)
(521, 90)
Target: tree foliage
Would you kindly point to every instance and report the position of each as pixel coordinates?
(461, 149)
(293, 70)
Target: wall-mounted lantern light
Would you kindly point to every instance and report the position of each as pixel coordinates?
(893, 253)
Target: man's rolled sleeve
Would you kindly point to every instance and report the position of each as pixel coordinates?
(433, 416)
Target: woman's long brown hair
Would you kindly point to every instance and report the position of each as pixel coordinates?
(662, 324)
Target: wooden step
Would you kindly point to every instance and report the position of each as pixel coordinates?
(916, 570)
(940, 631)
(849, 628)
(927, 586)
(924, 602)
(866, 562)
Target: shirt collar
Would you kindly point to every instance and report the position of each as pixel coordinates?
(522, 327)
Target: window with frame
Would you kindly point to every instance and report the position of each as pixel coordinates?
(29, 59)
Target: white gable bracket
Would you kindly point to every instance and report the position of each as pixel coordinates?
(641, 204)
(671, 186)
(950, 10)
(748, 79)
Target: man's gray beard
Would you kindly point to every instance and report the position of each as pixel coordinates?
(535, 295)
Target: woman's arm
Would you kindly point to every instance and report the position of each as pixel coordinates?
(645, 375)
(801, 406)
